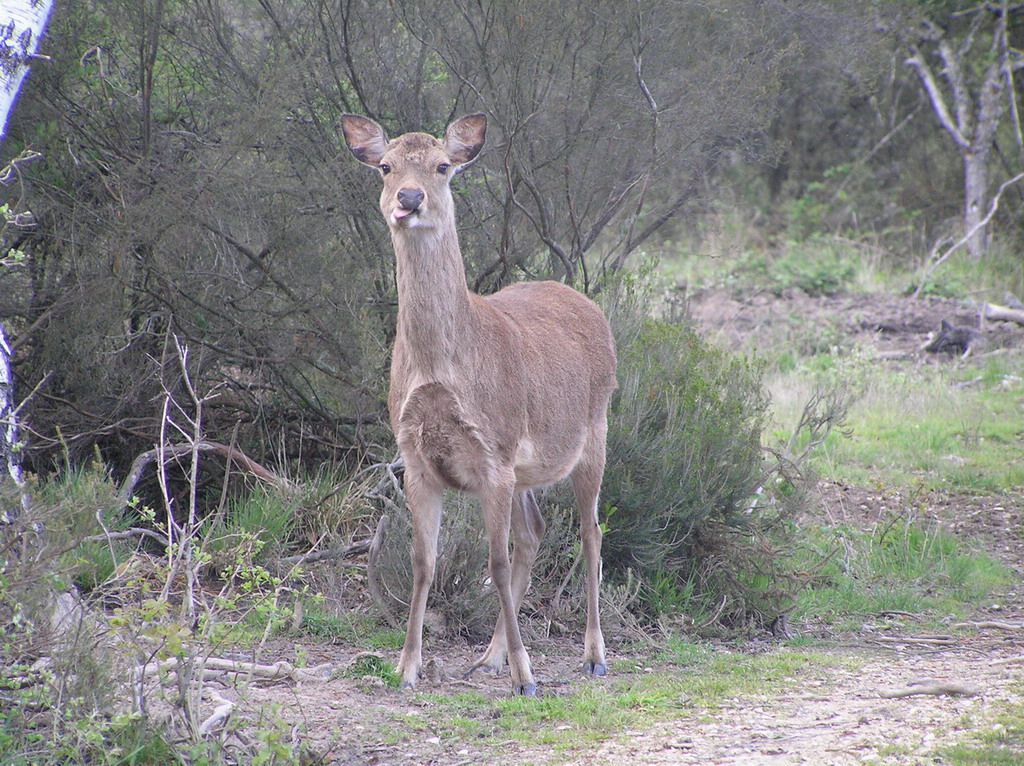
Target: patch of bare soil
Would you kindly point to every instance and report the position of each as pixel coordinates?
(835, 714)
(897, 327)
(838, 714)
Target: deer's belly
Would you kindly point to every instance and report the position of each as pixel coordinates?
(538, 467)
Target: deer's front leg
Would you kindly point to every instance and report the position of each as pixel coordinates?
(497, 504)
(424, 500)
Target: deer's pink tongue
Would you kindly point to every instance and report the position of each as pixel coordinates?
(401, 212)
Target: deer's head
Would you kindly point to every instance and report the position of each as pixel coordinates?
(416, 167)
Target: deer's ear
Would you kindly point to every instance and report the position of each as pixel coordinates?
(366, 139)
(465, 138)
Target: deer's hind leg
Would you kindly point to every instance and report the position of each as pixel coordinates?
(586, 483)
(497, 507)
(528, 527)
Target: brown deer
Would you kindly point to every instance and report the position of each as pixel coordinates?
(489, 395)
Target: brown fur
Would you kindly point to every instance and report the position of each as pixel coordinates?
(491, 395)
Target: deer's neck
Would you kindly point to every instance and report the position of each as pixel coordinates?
(434, 316)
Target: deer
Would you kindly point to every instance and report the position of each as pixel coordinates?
(492, 395)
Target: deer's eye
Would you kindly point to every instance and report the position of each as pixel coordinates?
(385, 168)
(443, 168)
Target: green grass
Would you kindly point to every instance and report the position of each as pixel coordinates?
(728, 250)
(376, 666)
(919, 428)
(357, 630)
(902, 565)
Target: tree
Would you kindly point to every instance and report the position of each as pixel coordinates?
(970, 93)
(608, 117)
(19, 39)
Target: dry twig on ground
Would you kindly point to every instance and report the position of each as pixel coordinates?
(930, 686)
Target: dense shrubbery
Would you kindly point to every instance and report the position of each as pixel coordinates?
(684, 443)
(685, 490)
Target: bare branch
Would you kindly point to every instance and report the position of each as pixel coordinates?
(977, 227)
(930, 686)
(938, 101)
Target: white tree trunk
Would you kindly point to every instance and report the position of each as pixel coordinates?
(9, 445)
(975, 201)
(21, 26)
(970, 109)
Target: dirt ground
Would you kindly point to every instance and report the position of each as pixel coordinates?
(833, 715)
(895, 326)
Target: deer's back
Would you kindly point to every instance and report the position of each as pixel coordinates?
(566, 345)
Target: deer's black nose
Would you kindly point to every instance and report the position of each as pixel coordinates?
(410, 199)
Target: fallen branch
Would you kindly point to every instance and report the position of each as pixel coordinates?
(931, 640)
(240, 459)
(219, 717)
(1002, 313)
(278, 671)
(1008, 661)
(995, 624)
(355, 549)
(930, 686)
(126, 534)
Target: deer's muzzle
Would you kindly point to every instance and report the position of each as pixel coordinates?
(410, 199)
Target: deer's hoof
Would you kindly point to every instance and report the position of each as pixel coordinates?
(525, 690)
(406, 686)
(595, 668)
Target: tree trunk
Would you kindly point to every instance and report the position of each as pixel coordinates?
(9, 444)
(21, 26)
(975, 201)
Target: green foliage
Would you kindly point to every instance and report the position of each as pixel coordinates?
(1001, 744)
(815, 266)
(941, 284)
(683, 441)
(376, 666)
(687, 501)
(695, 680)
(81, 497)
(902, 564)
(262, 519)
(913, 427)
(70, 661)
(359, 630)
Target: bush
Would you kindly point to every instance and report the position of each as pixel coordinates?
(684, 443)
(690, 505)
(817, 267)
(69, 689)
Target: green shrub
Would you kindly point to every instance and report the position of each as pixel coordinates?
(817, 267)
(684, 443)
(265, 514)
(67, 676)
(691, 507)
